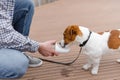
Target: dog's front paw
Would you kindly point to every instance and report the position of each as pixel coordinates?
(86, 66)
(94, 72)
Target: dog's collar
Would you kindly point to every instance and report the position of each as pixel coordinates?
(83, 44)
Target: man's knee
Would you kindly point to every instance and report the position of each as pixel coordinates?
(14, 71)
(21, 68)
(24, 5)
(29, 4)
(14, 64)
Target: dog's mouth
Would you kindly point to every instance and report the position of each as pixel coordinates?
(62, 45)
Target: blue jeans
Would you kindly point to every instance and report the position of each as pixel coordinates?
(24, 10)
(13, 63)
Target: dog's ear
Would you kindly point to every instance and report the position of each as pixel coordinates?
(75, 30)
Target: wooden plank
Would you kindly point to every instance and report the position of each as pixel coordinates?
(50, 21)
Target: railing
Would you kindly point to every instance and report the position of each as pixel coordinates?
(42, 2)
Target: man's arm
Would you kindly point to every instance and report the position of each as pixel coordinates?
(9, 38)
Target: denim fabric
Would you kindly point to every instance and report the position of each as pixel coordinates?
(13, 63)
(11, 38)
(24, 10)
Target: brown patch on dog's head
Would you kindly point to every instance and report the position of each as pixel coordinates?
(114, 39)
(70, 33)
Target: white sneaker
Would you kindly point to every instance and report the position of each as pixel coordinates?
(34, 62)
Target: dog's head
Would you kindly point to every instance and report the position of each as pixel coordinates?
(70, 34)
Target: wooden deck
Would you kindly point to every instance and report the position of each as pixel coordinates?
(49, 23)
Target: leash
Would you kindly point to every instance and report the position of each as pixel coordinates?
(67, 63)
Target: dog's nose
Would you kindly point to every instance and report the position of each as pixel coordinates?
(63, 46)
(59, 43)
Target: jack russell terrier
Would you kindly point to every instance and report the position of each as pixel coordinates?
(94, 44)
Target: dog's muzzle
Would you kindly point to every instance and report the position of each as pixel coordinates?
(62, 44)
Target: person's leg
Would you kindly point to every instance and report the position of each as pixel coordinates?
(22, 18)
(13, 63)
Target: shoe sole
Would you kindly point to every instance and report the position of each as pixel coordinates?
(36, 65)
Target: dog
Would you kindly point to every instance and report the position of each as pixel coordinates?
(94, 44)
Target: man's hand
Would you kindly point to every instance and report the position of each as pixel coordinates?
(46, 48)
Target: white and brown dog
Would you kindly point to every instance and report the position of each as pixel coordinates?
(94, 44)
